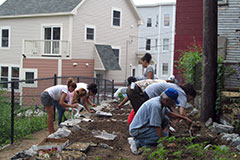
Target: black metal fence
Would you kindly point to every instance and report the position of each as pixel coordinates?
(27, 92)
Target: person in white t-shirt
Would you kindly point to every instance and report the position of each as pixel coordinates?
(56, 93)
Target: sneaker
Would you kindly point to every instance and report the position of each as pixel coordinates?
(133, 146)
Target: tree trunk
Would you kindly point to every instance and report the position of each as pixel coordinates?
(209, 59)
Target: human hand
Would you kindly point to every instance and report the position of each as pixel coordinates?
(119, 105)
(75, 105)
(94, 105)
(91, 111)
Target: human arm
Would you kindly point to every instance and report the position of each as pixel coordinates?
(150, 75)
(85, 103)
(159, 131)
(64, 104)
(179, 116)
(90, 102)
(123, 102)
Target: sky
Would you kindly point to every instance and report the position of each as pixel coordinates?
(137, 2)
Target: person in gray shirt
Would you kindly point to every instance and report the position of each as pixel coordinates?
(150, 120)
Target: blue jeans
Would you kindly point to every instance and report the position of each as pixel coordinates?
(150, 137)
(61, 111)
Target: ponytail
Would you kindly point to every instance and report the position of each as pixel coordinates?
(71, 82)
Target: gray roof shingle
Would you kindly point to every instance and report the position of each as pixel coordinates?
(26, 7)
(107, 56)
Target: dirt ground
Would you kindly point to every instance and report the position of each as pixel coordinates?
(119, 148)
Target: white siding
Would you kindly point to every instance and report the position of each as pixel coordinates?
(28, 29)
(158, 32)
(99, 13)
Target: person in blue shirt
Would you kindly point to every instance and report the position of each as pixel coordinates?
(150, 121)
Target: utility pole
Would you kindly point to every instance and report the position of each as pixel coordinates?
(209, 60)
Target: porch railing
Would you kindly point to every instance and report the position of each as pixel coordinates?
(38, 48)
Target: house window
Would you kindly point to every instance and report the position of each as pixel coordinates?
(29, 75)
(90, 33)
(116, 18)
(166, 44)
(148, 44)
(165, 69)
(5, 37)
(52, 37)
(149, 22)
(9, 74)
(157, 17)
(117, 54)
(166, 22)
(156, 44)
(134, 72)
(4, 76)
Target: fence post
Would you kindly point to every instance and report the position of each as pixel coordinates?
(105, 88)
(12, 112)
(54, 107)
(98, 85)
(55, 79)
(94, 80)
(112, 89)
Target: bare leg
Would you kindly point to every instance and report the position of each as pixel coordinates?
(50, 119)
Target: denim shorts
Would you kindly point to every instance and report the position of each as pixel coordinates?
(46, 99)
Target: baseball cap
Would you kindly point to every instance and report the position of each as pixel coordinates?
(172, 94)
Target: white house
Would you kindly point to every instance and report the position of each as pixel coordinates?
(156, 36)
(92, 38)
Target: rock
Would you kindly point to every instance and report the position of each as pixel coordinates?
(209, 122)
(105, 146)
(194, 112)
(235, 142)
(75, 128)
(224, 128)
(228, 137)
(238, 147)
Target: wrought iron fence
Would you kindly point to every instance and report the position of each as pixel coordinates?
(27, 92)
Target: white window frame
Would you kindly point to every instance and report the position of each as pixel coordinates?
(43, 26)
(163, 72)
(222, 2)
(10, 76)
(164, 45)
(85, 33)
(147, 45)
(119, 48)
(119, 10)
(157, 21)
(164, 16)
(35, 71)
(9, 36)
(149, 20)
